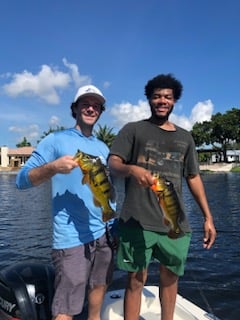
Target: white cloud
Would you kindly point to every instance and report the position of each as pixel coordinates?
(78, 79)
(202, 111)
(181, 121)
(46, 83)
(106, 84)
(54, 121)
(31, 132)
(127, 112)
(31, 127)
(43, 85)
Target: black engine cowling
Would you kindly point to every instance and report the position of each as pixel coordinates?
(26, 292)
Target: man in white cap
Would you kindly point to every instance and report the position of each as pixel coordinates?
(81, 254)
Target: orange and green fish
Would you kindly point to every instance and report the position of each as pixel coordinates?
(94, 174)
(169, 204)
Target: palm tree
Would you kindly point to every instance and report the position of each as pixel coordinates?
(105, 134)
(50, 130)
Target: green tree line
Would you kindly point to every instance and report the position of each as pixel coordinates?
(103, 133)
(222, 132)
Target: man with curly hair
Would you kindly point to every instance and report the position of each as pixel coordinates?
(154, 224)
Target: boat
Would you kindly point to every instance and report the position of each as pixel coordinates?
(26, 292)
(150, 307)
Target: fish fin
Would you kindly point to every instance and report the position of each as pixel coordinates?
(112, 191)
(96, 202)
(84, 180)
(113, 195)
(108, 214)
(174, 234)
(166, 222)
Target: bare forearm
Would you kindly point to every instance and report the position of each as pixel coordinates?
(119, 168)
(197, 189)
(41, 174)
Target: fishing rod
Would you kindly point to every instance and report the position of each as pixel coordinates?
(204, 298)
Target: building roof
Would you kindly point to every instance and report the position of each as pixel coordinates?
(233, 152)
(23, 151)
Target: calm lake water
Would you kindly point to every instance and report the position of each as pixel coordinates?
(212, 277)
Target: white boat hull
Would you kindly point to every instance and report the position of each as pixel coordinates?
(150, 307)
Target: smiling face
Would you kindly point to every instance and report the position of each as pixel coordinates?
(88, 110)
(161, 102)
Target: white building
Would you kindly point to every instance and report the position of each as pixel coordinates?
(14, 158)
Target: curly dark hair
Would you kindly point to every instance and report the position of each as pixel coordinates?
(164, 81)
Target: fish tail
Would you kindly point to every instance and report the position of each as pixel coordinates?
(175, 234)
(108, 214)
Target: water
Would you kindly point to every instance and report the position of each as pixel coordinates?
(25, 226)
(212, 277)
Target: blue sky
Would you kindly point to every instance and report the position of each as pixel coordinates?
(50, 48)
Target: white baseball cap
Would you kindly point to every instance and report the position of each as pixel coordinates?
(89, 90)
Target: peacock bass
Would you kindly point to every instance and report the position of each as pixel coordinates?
(94, 174)
(169, 204)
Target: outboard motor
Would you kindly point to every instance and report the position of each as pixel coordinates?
(26, 292)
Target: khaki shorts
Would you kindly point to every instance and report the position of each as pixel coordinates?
(137, 247)
(75, 268)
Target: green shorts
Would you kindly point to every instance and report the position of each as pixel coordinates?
(137, 247)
